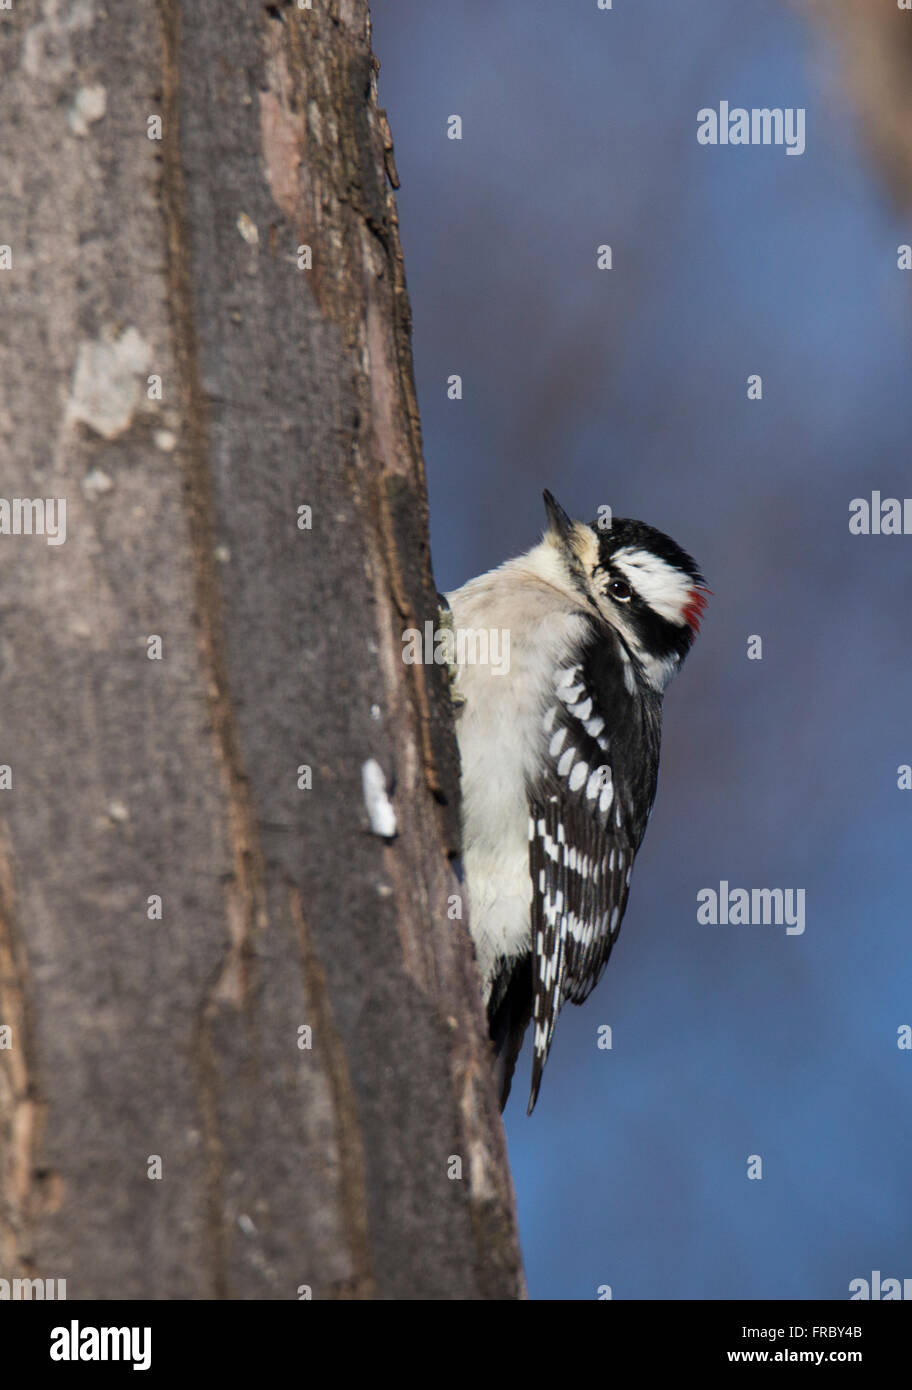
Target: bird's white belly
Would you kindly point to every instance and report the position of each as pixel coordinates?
(502, 745)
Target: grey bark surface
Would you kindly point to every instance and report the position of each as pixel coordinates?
(133, 258)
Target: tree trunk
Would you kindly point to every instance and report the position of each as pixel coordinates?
(273, 1084)
(876, 41)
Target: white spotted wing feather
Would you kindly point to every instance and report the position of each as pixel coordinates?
(587, 815)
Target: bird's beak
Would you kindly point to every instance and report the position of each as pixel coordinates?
(558, 520)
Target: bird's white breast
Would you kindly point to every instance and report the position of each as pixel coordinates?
(503, 744)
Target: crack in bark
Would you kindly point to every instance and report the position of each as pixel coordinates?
(245, 905)
(349, 1140)
(21, 1111)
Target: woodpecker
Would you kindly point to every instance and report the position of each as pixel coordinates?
(559, 748)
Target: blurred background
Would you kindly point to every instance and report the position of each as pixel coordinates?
(628, 387)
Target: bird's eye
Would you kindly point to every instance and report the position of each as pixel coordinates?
(620, 589)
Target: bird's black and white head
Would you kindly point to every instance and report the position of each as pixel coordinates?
(639, 581)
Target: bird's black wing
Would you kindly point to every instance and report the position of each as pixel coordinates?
(587, 815)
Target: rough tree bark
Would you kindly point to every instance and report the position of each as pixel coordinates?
(132, 259)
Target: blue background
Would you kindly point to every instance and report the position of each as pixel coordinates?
(629, 387)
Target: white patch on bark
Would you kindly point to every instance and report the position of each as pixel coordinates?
(379, 808)
(248, 229)
(89, 106)
(107, 385)
(95, 483)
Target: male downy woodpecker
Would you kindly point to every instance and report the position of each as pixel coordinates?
(560, 756)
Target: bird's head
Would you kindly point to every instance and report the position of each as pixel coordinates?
(640, 582)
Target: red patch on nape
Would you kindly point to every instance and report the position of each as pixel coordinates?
(696, 605)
